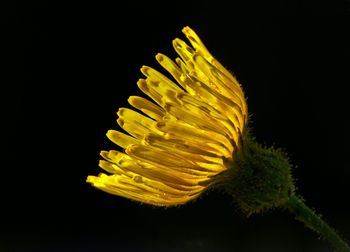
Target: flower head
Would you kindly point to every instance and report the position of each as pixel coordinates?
(176, 145)
(194, 136)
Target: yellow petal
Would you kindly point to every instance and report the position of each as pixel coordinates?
(212, 79)
(207, 163)
(161, 94)
(195, 89)
(196, 42)
(142, 193)
(170, 66)
(195, 136)
(186, 149)
(157, 77)
(121, 139)
(131, 165)
(199, 46)
(184, 51)
(136, 124)
(197, 118)
(156, 156)
(109, 167)
(147, 107)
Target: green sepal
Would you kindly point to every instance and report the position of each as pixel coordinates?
(258, 178)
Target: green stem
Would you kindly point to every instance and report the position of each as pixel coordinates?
(314, 222)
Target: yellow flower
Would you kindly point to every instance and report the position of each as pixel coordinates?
(182, 140)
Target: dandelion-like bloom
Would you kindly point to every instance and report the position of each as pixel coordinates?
(179, 143)
(193, 137)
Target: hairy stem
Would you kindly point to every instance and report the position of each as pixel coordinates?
(314, 222)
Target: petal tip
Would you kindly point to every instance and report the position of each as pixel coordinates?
(159, 57)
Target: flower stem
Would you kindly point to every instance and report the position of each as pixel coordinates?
(314, 222)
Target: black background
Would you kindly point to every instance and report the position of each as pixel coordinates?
(72, 65)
